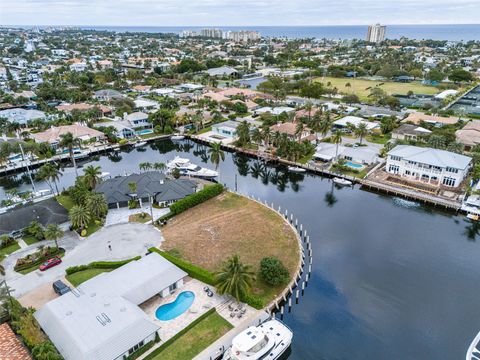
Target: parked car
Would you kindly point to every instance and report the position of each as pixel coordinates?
(60, 287)
(50, 263)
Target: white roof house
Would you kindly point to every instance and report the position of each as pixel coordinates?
(274, 110)
(434, 157)
(356, 121)
(101, 319)
(222, 71)
(22, 116)
(446, 93)
(362, 155)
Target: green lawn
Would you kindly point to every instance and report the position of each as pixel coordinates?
(29, 240)
(361, 87)
(81, 276)
(379, 139)
(195, 340)
(66, 201)
(9, 249)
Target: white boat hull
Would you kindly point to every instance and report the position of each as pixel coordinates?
(296, 169)
(342, 182)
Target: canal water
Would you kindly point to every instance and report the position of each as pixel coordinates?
(391, 279)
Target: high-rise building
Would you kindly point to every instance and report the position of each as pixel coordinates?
(376, 33)
(211, 33)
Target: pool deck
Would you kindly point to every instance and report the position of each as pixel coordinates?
(201, 305)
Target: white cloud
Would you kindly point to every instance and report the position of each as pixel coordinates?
(230, 12)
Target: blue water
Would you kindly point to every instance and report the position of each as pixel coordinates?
(436, 32)
(353, 165)
(174, 309)
(252, 83)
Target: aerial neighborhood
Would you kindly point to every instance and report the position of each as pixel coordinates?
(125, 234)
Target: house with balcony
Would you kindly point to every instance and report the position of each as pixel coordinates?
(431, 166)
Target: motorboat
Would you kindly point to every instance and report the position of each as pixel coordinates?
(266, 341)
(342, 182)
(296, 169)
(140, 144)
(188, 169)
(104, 175)
(177, 137)
(473, 217)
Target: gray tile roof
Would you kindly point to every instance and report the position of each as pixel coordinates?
(148, 183)
(430, 156)
(46, 212)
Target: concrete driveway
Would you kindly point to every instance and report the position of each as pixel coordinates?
(117, 216)
(126, 240)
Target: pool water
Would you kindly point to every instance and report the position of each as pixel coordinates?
(144, 132)
(354, 165)
(176, 308)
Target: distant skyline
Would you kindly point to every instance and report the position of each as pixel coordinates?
(237, 13)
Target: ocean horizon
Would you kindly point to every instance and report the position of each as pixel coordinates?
(450, 32)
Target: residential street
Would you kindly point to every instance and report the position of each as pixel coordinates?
(127, 240)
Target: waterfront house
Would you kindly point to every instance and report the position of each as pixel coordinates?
(222, 71)
(137, 120)
(364, 155)
(469, 136)
(290, 128)
(102, 319)
(227, 128)
(432, 166)
(22, 116)
(53, 135)
(151, 184)
(409, 132)
(345, 122)
(68, 108)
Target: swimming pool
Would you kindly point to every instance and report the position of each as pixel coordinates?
(144, 132)
(353, 165)
(176, 308)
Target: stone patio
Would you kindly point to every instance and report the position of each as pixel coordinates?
(201, 305)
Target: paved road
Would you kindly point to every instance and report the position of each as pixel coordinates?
(127, 240)
(117, 216)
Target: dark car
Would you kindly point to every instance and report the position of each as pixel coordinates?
(60, 287)
(50, 263)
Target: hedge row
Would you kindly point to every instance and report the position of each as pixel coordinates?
(194, 271)
(197, 198)
(167, 343)
(100, 265)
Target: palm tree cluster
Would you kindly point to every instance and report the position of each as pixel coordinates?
(50, 173)
(145, 166)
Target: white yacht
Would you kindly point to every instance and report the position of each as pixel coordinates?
(187, 168)
(266, 341)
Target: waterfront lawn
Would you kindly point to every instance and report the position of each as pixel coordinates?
(81, 276)
(203, 131)
(307, 157)
(361, 87)
(228, 224)
(7, 250)
(194, 340)
(379, 138)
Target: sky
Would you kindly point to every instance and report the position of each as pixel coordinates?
(237, 12)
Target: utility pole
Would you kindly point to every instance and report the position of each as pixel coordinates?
(236, 187)
(28, 169)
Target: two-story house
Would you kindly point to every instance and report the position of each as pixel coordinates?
(432, 166)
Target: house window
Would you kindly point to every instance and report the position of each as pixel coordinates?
(172, 287)
(394, 169)
(407, 172)
(452, 170)
(448, 181)
(395, 158)
(349, 158)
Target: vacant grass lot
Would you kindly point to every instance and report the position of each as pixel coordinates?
(81, 276)
(361, 87)
(195, 340)
(208, 234)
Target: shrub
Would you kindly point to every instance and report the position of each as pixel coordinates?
(253, 301)
(194, 271)
(197, 198)
(100, 265)
(273, 271)
(37, 258)
(133, 204)
(6, 240)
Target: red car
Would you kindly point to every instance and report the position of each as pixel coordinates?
(50, 263)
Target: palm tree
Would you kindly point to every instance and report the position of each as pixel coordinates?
(92, 176)
(133, 186)
(325, 124)
(96, 205)
(361, 131)
(79, 216)
(299, 129)
(234, 278)
(216, 154)
(68, 141)
(257, 136)
(159, 166)
(145, 166)
(53, 232)
(337, 139)
(49, 173)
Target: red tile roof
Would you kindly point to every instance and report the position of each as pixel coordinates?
(10, 347)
